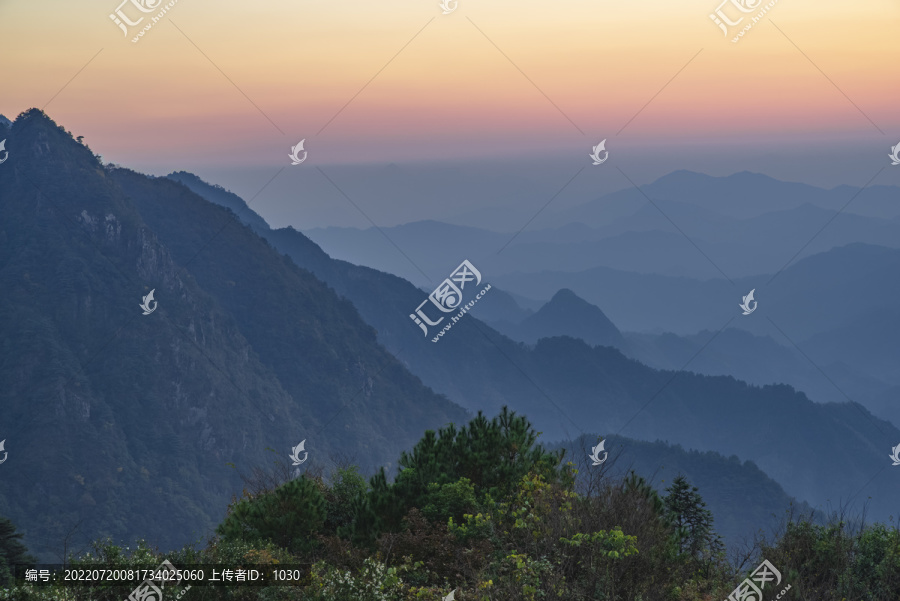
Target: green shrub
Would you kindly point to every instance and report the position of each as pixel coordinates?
(287, 516)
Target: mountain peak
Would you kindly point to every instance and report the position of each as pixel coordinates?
(37, 140)
(36, 117)
(565, 295)
(567, 314)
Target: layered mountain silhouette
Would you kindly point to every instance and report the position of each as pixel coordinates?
(569, 388)
(813, 295)
(684, 224)
(114, 419)
(741, 195)
(756, 359)
(852, 359)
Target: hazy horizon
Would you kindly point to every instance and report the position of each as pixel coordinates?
(458, 190)
(525, 92)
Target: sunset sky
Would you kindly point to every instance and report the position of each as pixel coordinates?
(224, 84)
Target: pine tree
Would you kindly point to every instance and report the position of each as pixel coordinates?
(494, 455)
(12, 551)
(693, 523)
(288, 516)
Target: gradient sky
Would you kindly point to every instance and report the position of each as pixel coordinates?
(225, 85)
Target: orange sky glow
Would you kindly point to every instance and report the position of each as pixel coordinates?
(239, 81)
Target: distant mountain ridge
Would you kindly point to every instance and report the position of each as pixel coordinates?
(835, 307)
(564, 385)
(756, 359)
(742, 195)
(814, 294)
(670, 236)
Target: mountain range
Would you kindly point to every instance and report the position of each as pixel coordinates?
(570, 388)
(684, 224)
(116, 418)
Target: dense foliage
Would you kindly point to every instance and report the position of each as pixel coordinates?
(287, 516)
(486, 512)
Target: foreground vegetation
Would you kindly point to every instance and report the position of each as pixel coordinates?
(486, 512)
